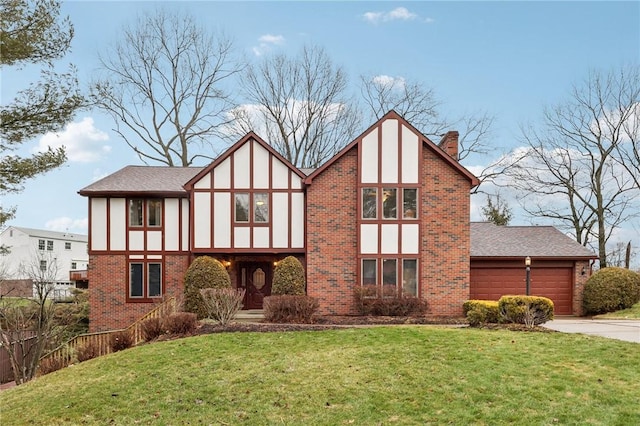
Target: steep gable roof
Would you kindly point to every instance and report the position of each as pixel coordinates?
(490, 240)
(248, 137)
(425, 141)
(143, 180)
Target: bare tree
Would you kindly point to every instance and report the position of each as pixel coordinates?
(165, 87)
(299, 104)
(570, 171)
(27, 329)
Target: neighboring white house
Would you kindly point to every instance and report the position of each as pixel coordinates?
(57, 257)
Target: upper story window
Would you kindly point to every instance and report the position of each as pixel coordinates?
(74, 265)
(49, 245)
(67, 246)
(139, 209)
(43, 265)
(253, 206)
(40, 244)
(390, 203)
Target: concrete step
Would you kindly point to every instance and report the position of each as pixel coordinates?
(250, 315)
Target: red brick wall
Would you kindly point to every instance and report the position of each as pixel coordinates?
(332, 261)
(108, 290)
(332, 238)
(579, 281)
(445, 244)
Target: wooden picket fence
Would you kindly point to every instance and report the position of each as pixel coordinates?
(65, 354)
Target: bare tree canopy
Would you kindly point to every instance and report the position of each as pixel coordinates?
(300, 106)
(571, 169)
(32, 32)
(165, 88)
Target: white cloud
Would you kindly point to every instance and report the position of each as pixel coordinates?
(64, 224)
(267, 41)
(397, 83)
(83, 142)
(397, 14)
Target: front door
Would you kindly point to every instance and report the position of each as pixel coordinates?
(255, 278)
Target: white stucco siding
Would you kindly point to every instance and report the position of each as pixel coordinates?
(410, 238)
(204, 182)
(222, 175)
(390, 148)
(369, 152)
(242, 237)
(136, 240)
(280, 220)
(222, 220)
(118, 225)
(261, 237)
(98, 224)
(241, 167)
(410, 156)
(390, 239)
(260, 166)
(368, 239)
(296, 182)
(171, 224)
(154, 240)
(279, 174)
(185, 224)
(297, 220)
(202, 220)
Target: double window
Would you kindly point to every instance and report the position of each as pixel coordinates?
(49, 245)
(251, 207)
(145, 280)
(389, 277)
(145, 212)
(389, 203)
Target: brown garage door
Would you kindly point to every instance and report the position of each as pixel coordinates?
(554, 283)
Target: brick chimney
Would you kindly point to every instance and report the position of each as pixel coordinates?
(449, 144)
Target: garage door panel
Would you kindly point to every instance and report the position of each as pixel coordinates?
(553, 283)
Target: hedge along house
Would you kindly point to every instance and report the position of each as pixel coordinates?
(388, 214)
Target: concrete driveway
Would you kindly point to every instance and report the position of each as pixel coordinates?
(627, 330)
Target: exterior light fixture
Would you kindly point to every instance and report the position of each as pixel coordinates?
(527, 264)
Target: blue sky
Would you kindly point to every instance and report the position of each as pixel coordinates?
(506, 58)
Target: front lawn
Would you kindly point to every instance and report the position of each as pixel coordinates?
(631, 313)
(401, 375)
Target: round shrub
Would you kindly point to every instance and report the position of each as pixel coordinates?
(288, 278)
(204, 272)
(611, 289)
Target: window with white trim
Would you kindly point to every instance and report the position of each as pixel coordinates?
(41, 244)
(49, 245)
(67, 245)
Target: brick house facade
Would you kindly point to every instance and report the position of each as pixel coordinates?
(388, 214)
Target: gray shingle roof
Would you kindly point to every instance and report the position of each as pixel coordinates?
(489, 240)
(143, 179)
(45, 233)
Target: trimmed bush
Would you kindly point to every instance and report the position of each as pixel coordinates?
(290, 309)
(611, 289)
(388, 306)
(121, 340)
(204, 272)
(480, 312)
(288, 277)
(527, 310)
(222, 304)
(181, 323)
(152, 329)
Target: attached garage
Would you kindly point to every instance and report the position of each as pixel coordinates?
(559, 266)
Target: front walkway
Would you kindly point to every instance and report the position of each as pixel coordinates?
(627, 330)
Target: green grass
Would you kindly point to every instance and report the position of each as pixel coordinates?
(399, 375)
(631, 313)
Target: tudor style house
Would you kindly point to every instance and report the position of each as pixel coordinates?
(389, 214)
